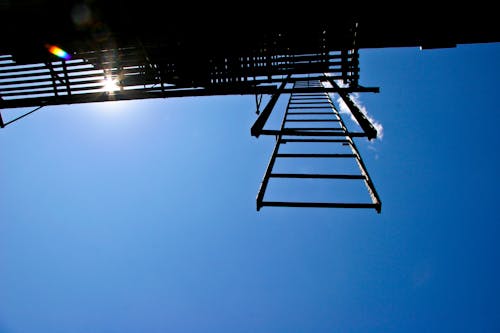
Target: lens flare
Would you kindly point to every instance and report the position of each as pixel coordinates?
(57, 51)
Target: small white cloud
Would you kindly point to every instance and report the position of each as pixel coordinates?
(372, 146)
(343, 108)
(378, 126)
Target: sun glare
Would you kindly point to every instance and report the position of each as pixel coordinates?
(110, 85)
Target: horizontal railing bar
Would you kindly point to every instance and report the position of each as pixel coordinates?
(315, 128)
(315, 176)
(311, 113)
(305, 133)
(285, 140)
(319, 204)
(312, 120)
(312, 155)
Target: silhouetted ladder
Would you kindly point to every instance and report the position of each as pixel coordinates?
(313, 125)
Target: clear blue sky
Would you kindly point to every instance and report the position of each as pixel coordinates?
(140, 216)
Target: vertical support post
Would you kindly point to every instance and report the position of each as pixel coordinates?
(162, 76)
(344, 64)
(66, 78)
(53, 75)
(354, 67)
(2, 124)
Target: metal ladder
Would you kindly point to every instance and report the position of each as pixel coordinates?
(312, 123)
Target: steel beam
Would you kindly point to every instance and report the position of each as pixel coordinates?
(364, 123)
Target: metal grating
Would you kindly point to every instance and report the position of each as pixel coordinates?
(150, 73)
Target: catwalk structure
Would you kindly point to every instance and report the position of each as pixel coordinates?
(64, 52)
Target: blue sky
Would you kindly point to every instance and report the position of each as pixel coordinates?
(140, 216)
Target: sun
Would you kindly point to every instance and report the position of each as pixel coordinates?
(110, 85)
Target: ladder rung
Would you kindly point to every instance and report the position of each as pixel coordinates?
(316, 155)
(315, 176)
(316, 128)
(319, 95)
(312, 102)
(320, 204)
(313, 120)
(306, 133)
(310, 107)
(306, 113)
(315, 140)
(306, 98)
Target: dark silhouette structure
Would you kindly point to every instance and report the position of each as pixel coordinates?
(64, 52)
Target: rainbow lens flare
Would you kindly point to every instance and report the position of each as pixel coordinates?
(57, 51)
